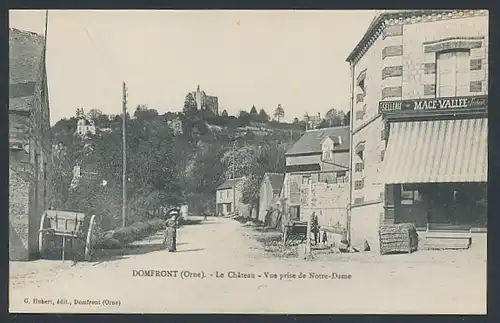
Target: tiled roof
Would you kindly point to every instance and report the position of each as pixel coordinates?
(25, 56)
(229, 184)
(310, 142)
(276, 180)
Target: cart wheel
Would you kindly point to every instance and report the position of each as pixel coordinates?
(89, 244)
(42, 237)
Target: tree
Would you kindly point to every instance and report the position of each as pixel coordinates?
(265, 158)
(224, 113)
(242, 161)
(250, 191)
(80, 113)
(263, 116)
(94, 114)
(103, 121)
(324, 124)
(189, 104)
(347, 119)
(334, 118)
(279, 112)
(244, 118)
(253, 111)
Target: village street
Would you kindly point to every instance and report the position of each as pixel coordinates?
(423, 282)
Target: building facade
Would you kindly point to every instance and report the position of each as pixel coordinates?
(419, 118)
(175, 125)
(29, 142)
(312, 122)
(321, 155)
(269, 194)
(84, 127)
(206, 102)
(224, 198)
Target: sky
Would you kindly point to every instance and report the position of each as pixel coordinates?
(246, 58)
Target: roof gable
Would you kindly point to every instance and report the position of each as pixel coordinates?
(229, 183)
(276, 181)
(311, 141)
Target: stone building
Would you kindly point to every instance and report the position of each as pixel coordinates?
(312, 122)
(417, 77)
(85, 126)
(175, 125)
(225, 199)
(206, 102)
(321, 155)
(29, 142)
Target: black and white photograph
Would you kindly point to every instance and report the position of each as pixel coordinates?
(248, 161)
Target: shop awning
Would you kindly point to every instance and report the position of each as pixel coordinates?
(440, 151)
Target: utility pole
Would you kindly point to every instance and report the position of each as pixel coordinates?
(234, 180)
(309, 203)
(124, 137)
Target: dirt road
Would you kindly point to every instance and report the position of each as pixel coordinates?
(229, 273)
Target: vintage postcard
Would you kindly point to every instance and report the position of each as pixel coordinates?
(293, 162)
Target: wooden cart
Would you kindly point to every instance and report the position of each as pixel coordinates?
(58, 228)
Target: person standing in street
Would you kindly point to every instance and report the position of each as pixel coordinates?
(170, 239)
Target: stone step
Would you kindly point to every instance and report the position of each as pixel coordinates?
(446, 243)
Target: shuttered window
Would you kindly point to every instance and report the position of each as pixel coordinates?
(453, 71)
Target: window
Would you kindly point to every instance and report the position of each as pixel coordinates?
(382, 155)
(327, 154)
(358, 185)
(453, 69)
(305, 179)
(228, 193)
(228, 208)
(220, 194)
(409, 195)
(358, 167)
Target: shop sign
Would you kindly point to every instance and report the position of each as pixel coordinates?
(466, 102)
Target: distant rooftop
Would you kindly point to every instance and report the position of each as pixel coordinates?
(229, 183)
(310, 142)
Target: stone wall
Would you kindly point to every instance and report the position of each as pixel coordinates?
(365, 223)
(29, 189)
(18, 215)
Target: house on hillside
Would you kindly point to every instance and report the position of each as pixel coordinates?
(321, 155)
(269, 194)
(175, 125)
(227, 195)
(84, 127)
(312, 122)
(29, 142)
